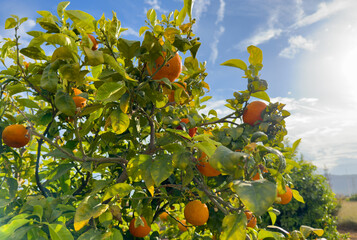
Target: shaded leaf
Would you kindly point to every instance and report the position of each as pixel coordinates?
(59, 232)
(161, 168)
(65, 103)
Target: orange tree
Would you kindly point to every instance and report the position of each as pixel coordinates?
(110, 142)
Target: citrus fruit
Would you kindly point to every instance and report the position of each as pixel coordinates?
(286, 197)
(181, 226)
(196, 213)
(251, 220)
(16, 136)
(139, 231)
(94, 41)
(191, 131)
(256, 176)
(171, 70)
(76, 91)
(205, 168)
(79, 101)
(163, 216)
(253, 112)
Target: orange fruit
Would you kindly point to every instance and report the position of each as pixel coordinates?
(94, 41)
(205, 168)
(251, 220)
(139, 231)
(286, 197)
(253, 112)
(181, 226)
(196, 213)
(15, 136)
(171, 70)
(26, 64)
(79, 101)
(76, 91)
(163, 216)
(191, 131)
(256, 176)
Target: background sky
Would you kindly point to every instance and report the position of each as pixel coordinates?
(310, 57)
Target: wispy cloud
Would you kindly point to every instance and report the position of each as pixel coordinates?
(199, 7)
(131, 32)
(259, 38)
(297, 43)
(323, 11)
(155, 4)
(214, 45)
(220, 12)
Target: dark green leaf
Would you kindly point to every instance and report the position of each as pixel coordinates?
(161, 168)
(65, 103)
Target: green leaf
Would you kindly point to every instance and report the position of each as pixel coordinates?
(93, 58)
(59, 232)
(38, 211)
(188, 4)
(82, 20)
(12, 186)
(228, 162)
(63, 53)
(143, 29)
(88, 208)
(65, 103)
(10, 23)
(161, 168)
(235, 63)
(257, 196)
(36, 233)
(34, 52)
(137, 165)
(61, 7)
(234, 227)
(273, 213)
(91, 234)
(125, 102)
(27, 103)
(181, 16)
(8, 229)
(108, 89)
(108, 59)
(49, 79)
(119, 189)
(297, 196)
(152, 17)
(182, 44)
(128, 48)
(265, 234)
(256, 55)
(261, 95)
(119, 121)
(306, 231)
(295, 145)
(259, 137)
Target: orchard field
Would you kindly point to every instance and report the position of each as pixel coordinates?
(105, 138)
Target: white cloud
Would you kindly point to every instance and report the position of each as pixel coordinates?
(220, 12)
(214, 45)
(155, 4)
(297, 43)
(260, 37)
(327, 132)
(130, 31)
(323, 11)
(199, 7)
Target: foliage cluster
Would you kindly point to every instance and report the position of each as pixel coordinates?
(127, 150)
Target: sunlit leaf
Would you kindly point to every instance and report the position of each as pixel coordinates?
(256, 55)
(257, 196)
(234, 227)
(8, 229)
(59, 232)
(235, 63)
(119, 189)
(119, 121)
(82, 20)
(108, 89)
(297, 196)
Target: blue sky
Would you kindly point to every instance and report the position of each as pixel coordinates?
(309, 47)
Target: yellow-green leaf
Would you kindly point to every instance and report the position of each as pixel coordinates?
(235, 63)
(119, 189)
(256, 55)
(234, 227)
(297, 196)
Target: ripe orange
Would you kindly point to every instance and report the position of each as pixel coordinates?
(251, 220)
(196, 213)
(171, 70)
(139, 231)
(253, 112)
(80, 101)
(76, 91)
(16, 136)
(286, 197)
(182, 227)
(191, 131)
(94, 41)
(256, 176)
(163, 216)
(205, 168)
